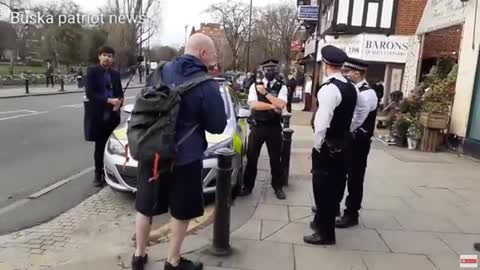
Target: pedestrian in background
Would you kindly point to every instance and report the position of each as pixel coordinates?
(141, 69)
(291, 85)
(49, 74)
(308, 94)
(104, 97)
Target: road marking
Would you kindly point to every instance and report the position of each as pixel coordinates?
(72, 106)
(23, 115)
(12, 206)
(59, 184)
(44, 191)
(132, 97)
(18, 111)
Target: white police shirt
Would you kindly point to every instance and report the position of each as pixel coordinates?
(329, 97)
(252, 92)
(370, 97)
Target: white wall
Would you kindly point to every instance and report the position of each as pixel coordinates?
(466, 72)
(411, 66)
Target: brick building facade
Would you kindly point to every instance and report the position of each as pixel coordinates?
(408, 16)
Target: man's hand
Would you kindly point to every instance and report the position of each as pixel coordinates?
(115, 102)
(261, 89)
(118, 106)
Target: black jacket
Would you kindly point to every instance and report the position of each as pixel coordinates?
(100, 119)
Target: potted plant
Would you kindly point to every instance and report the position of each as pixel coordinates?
(414, 135)
(439, 95)
(400, 129)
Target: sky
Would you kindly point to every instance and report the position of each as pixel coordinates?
(175, 14)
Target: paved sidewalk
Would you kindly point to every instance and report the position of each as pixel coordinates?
(41, 90)
(421, 211)
(35, 90)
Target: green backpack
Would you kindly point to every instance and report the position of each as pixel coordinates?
(152, 126)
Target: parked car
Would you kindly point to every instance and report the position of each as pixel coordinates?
(124, 178)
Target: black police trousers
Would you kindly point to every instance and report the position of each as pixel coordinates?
(272, 135)
(98, 155)
(328, 174)
(357, 164)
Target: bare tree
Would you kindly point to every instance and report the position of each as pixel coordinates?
(273, 34)
(129, 38)
(233, 16)
(148, 9)
(284, 17)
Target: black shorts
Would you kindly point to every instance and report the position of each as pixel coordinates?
(180, 191)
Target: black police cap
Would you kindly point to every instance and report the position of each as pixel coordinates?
(333, 56)
(357, 64)
(270, 63)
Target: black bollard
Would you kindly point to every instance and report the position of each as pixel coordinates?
(221, 226)
(62, 85)
(27, 90)
(286, 150)
(286, 120)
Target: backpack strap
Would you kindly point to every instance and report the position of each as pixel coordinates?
(190, 84)
(189, 133)
(184, 88)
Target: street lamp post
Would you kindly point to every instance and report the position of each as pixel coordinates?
(316, 77)
(186, 34)
(249, 37)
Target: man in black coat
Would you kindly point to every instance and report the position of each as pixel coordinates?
(291, 85)
(104, 97)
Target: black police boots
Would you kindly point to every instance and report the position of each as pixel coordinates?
(280, 194)
(346, 221)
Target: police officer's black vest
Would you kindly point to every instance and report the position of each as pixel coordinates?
(369, 125)
(268, 118)
(339, 129)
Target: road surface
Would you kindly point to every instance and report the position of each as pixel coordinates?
(42, 144)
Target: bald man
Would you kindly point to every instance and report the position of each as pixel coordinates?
(181, 190)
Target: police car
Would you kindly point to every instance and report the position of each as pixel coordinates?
(122, 176)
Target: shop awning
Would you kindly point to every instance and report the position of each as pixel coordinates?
(440, 14)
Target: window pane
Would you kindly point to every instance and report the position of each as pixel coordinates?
(357, 12)
(343, 6)
(387, 14)
(372, 15)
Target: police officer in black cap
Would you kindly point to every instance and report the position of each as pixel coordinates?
(356, 70)
(267, 99)
(338, 104)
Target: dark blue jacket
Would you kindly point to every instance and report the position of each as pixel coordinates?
(96, 126)
(202, 105)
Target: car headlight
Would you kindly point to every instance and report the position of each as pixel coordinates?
(115, 147)
(210, 152)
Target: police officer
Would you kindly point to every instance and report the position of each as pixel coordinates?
(355, 70)
(267, 99)
(338, 108)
